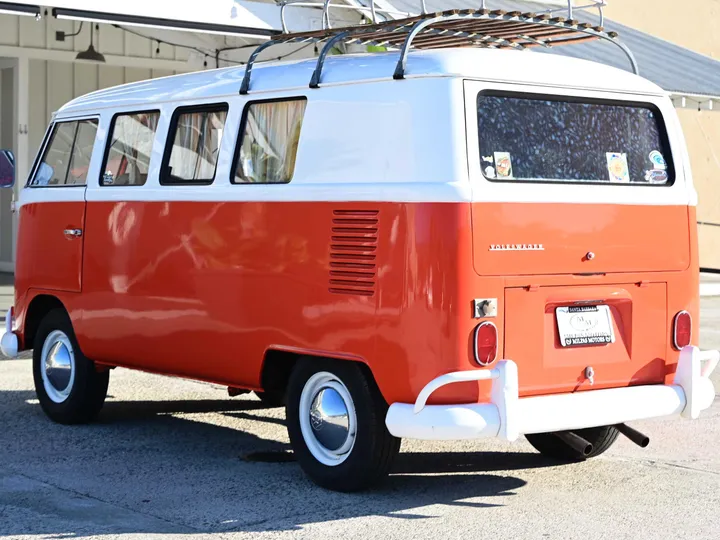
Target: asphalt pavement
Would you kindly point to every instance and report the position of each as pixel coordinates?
(176, 459)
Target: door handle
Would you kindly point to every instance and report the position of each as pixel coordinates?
(73, 233)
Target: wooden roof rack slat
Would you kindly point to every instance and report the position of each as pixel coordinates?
(452, 28)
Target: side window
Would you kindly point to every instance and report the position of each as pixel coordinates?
(127, 158)
(67, 155)
(82, 152)
(195, 134)
(269, 142)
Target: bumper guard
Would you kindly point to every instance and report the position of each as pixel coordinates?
(8, 340)
(508, 416)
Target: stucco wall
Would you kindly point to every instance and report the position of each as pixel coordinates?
(696, 26)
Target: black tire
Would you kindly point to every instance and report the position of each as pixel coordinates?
(88, 388)
(374, 449)
(271, 398)
(548, 444)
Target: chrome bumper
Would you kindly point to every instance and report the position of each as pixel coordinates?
(8, 340)
(508, 416)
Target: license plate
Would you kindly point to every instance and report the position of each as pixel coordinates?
(584, 325)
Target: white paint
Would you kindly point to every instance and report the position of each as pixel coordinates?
(527, 68)
(504, 395)
(693, 377)
(450, 378)
(507, 415)
(8, 340)
(369, 140)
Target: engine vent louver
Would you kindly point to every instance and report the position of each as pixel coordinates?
(353, 246)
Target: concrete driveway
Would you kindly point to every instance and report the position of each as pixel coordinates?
(170, 458)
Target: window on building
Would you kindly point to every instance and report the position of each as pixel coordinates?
(67, 156)
(127, 159)
(196, 135)
(268, 143)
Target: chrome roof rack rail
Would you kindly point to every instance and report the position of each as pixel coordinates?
(454, 28)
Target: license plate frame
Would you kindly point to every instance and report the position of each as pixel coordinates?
(585, 326)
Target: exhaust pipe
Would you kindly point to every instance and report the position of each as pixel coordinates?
(634, 435)
(576, 442)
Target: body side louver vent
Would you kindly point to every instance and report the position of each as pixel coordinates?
(353, 246)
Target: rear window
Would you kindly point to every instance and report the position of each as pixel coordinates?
(554, 140)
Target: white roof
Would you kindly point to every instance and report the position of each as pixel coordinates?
(509, 66)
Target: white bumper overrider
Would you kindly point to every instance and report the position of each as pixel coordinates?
(508, 416)
(8, 340)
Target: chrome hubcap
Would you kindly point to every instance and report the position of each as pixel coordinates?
(58, 366)
(327, 418)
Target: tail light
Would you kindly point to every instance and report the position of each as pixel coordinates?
(682, 330)
(486, 338)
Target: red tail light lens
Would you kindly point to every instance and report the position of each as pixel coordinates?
(486, 338)
(682, 330)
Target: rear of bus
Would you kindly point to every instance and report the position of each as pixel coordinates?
(585, 262)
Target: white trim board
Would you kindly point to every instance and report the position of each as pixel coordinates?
(710, 289)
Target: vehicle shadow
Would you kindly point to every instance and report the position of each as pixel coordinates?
(163, 467)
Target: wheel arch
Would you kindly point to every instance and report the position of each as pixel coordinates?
(39, 306)
(278, 364)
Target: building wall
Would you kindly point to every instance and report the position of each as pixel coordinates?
(696, 27)
(6, 141)
(53, 82)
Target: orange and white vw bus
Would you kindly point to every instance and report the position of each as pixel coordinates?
(494, 244)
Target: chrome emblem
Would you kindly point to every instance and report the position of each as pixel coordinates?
(316, 419)
(517, 247)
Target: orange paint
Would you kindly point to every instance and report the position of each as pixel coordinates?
(205, 289)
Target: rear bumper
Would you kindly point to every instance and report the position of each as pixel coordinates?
(508, 416)
(8, 340)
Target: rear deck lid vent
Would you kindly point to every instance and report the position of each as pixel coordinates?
(353, 246)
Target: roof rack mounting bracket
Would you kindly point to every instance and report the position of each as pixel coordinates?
(245, 85)
(625, 49)
(416, 29)
(315, 79)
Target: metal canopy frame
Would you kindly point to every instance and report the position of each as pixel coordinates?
(454, 28)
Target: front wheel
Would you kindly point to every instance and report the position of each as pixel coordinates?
(550, 445)
(336, 423)
(69, 388)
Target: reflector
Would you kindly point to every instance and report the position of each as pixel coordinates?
(682, 331)
(485, 343)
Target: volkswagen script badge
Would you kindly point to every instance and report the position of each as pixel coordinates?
(517, 247)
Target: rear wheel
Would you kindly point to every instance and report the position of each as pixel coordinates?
(69, 388)
(336, 423)
(550, 445)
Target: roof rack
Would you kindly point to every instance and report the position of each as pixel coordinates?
(379, 14)
(454, 28)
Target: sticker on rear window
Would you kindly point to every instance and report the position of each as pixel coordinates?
(656, 176)
(503, 165)
(617, 167)
(657, 159)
